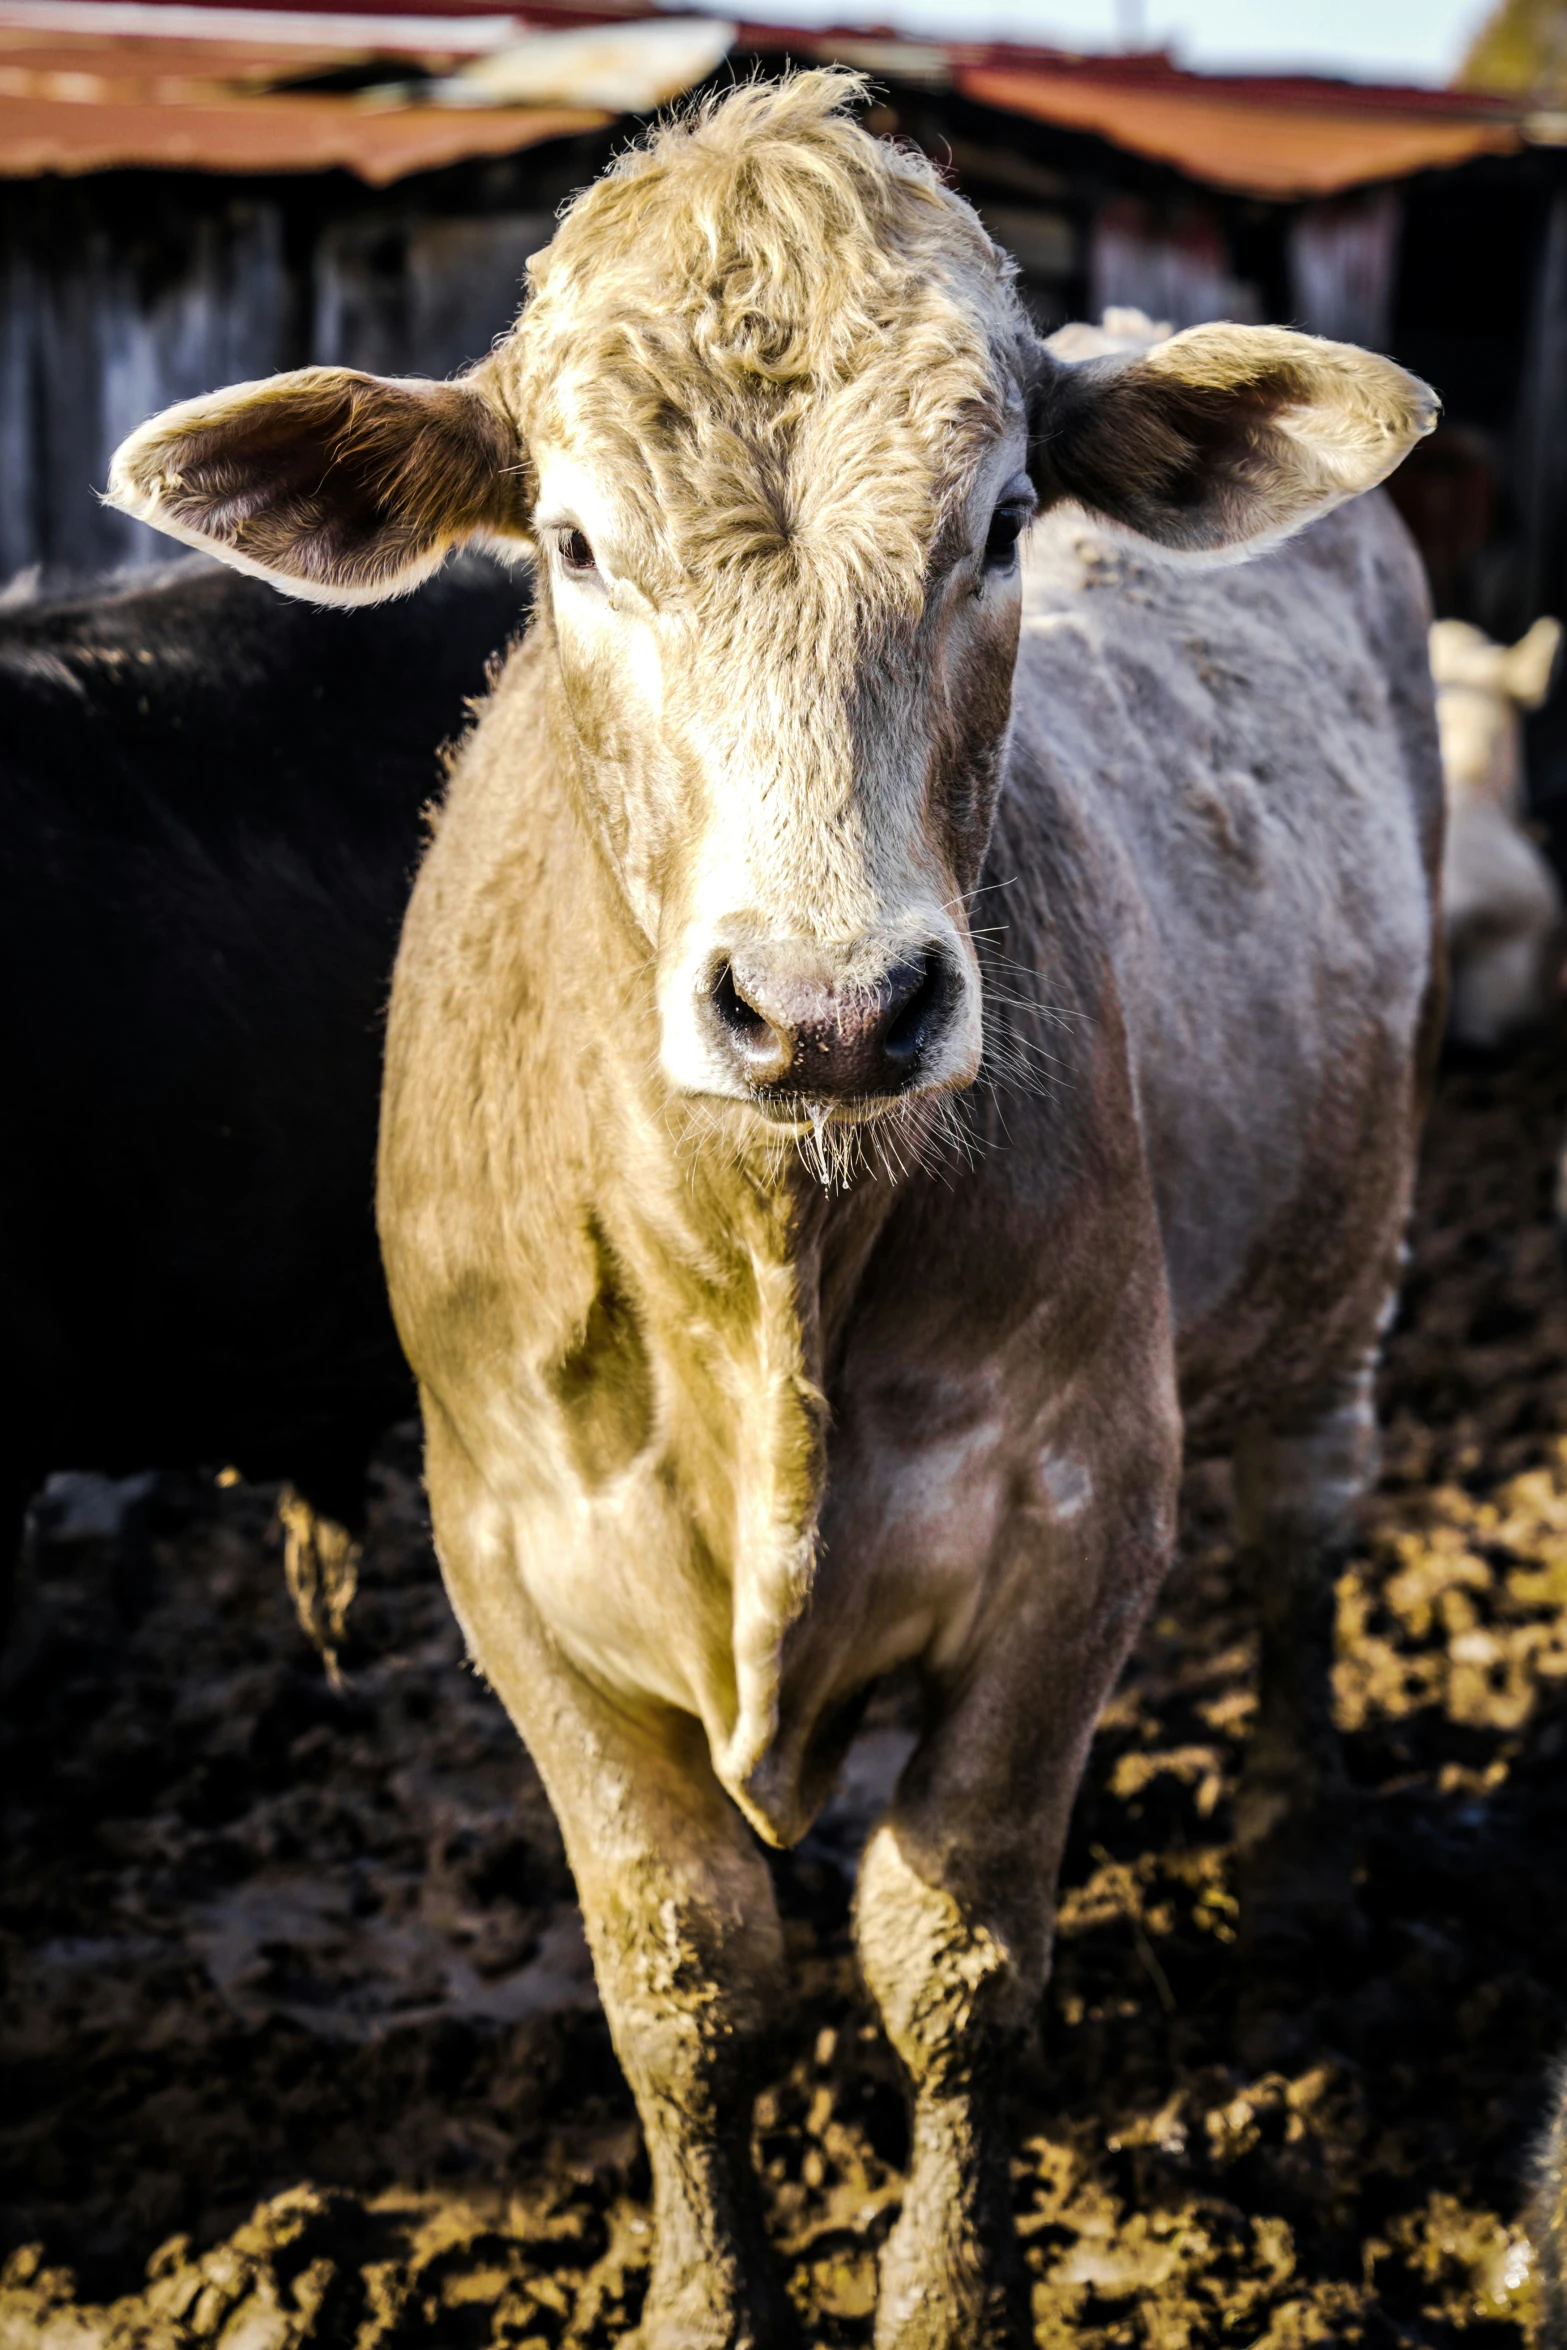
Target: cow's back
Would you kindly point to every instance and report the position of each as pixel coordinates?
(211, 815)
(1246, 758)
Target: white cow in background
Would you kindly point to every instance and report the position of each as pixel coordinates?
(1503, 902)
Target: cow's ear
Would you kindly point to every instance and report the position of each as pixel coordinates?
(340, 487)
(1224, 438)
(1529, 665)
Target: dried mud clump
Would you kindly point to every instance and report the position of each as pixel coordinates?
(259, 1932)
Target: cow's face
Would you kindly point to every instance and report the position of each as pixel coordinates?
(793, 769)
(773, 423)
(785, 608)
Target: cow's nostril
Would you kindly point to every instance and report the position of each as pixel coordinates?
(923, 990)
(786, 1024)
(742, 1019)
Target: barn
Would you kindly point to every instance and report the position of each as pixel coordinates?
(190, 195)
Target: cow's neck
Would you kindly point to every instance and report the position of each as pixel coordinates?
(742, 1270)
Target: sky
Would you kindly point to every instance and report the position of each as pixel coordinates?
(1403, 40)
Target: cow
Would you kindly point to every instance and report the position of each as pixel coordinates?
(212, 814)
(1503, 901)
(885, 1044)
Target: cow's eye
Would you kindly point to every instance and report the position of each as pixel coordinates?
(575, 551)
(1006, 528)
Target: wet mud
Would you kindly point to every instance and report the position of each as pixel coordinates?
(300, 2040)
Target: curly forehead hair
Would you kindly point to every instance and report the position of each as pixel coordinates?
(715, 308)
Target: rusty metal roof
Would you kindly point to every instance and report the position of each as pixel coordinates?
(94, 85)
(1265, 136)
(271, 134)
(90, 84)
(1285, 136)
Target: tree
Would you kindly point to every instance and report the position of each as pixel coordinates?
(1522, 45)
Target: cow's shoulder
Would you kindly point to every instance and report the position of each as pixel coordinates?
(1305, 663)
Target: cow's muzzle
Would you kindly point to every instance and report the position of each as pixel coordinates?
(790, 1031)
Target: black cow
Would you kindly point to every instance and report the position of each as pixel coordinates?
(210, 812)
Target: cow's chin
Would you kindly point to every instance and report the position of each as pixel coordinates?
(798, 1114)
(832, 1142)
(782, 1113)
(781, 1117)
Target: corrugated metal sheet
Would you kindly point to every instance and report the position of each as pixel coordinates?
(629, 68)
(94, 85)
(87, 84)
(1279, 140)
(259, 35)
(264, 135)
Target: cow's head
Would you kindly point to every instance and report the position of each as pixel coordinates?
(773, 421)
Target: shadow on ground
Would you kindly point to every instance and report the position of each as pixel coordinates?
(300, 2041)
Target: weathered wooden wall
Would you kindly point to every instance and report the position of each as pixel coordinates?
(122, 293)
(106, 313)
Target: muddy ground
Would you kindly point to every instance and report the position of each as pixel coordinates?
(301, 2045)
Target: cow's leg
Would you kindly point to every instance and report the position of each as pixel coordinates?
(954, 1914)
(1297, 1491)
(688, 1951)
(689, 1956)
(686, 1942)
